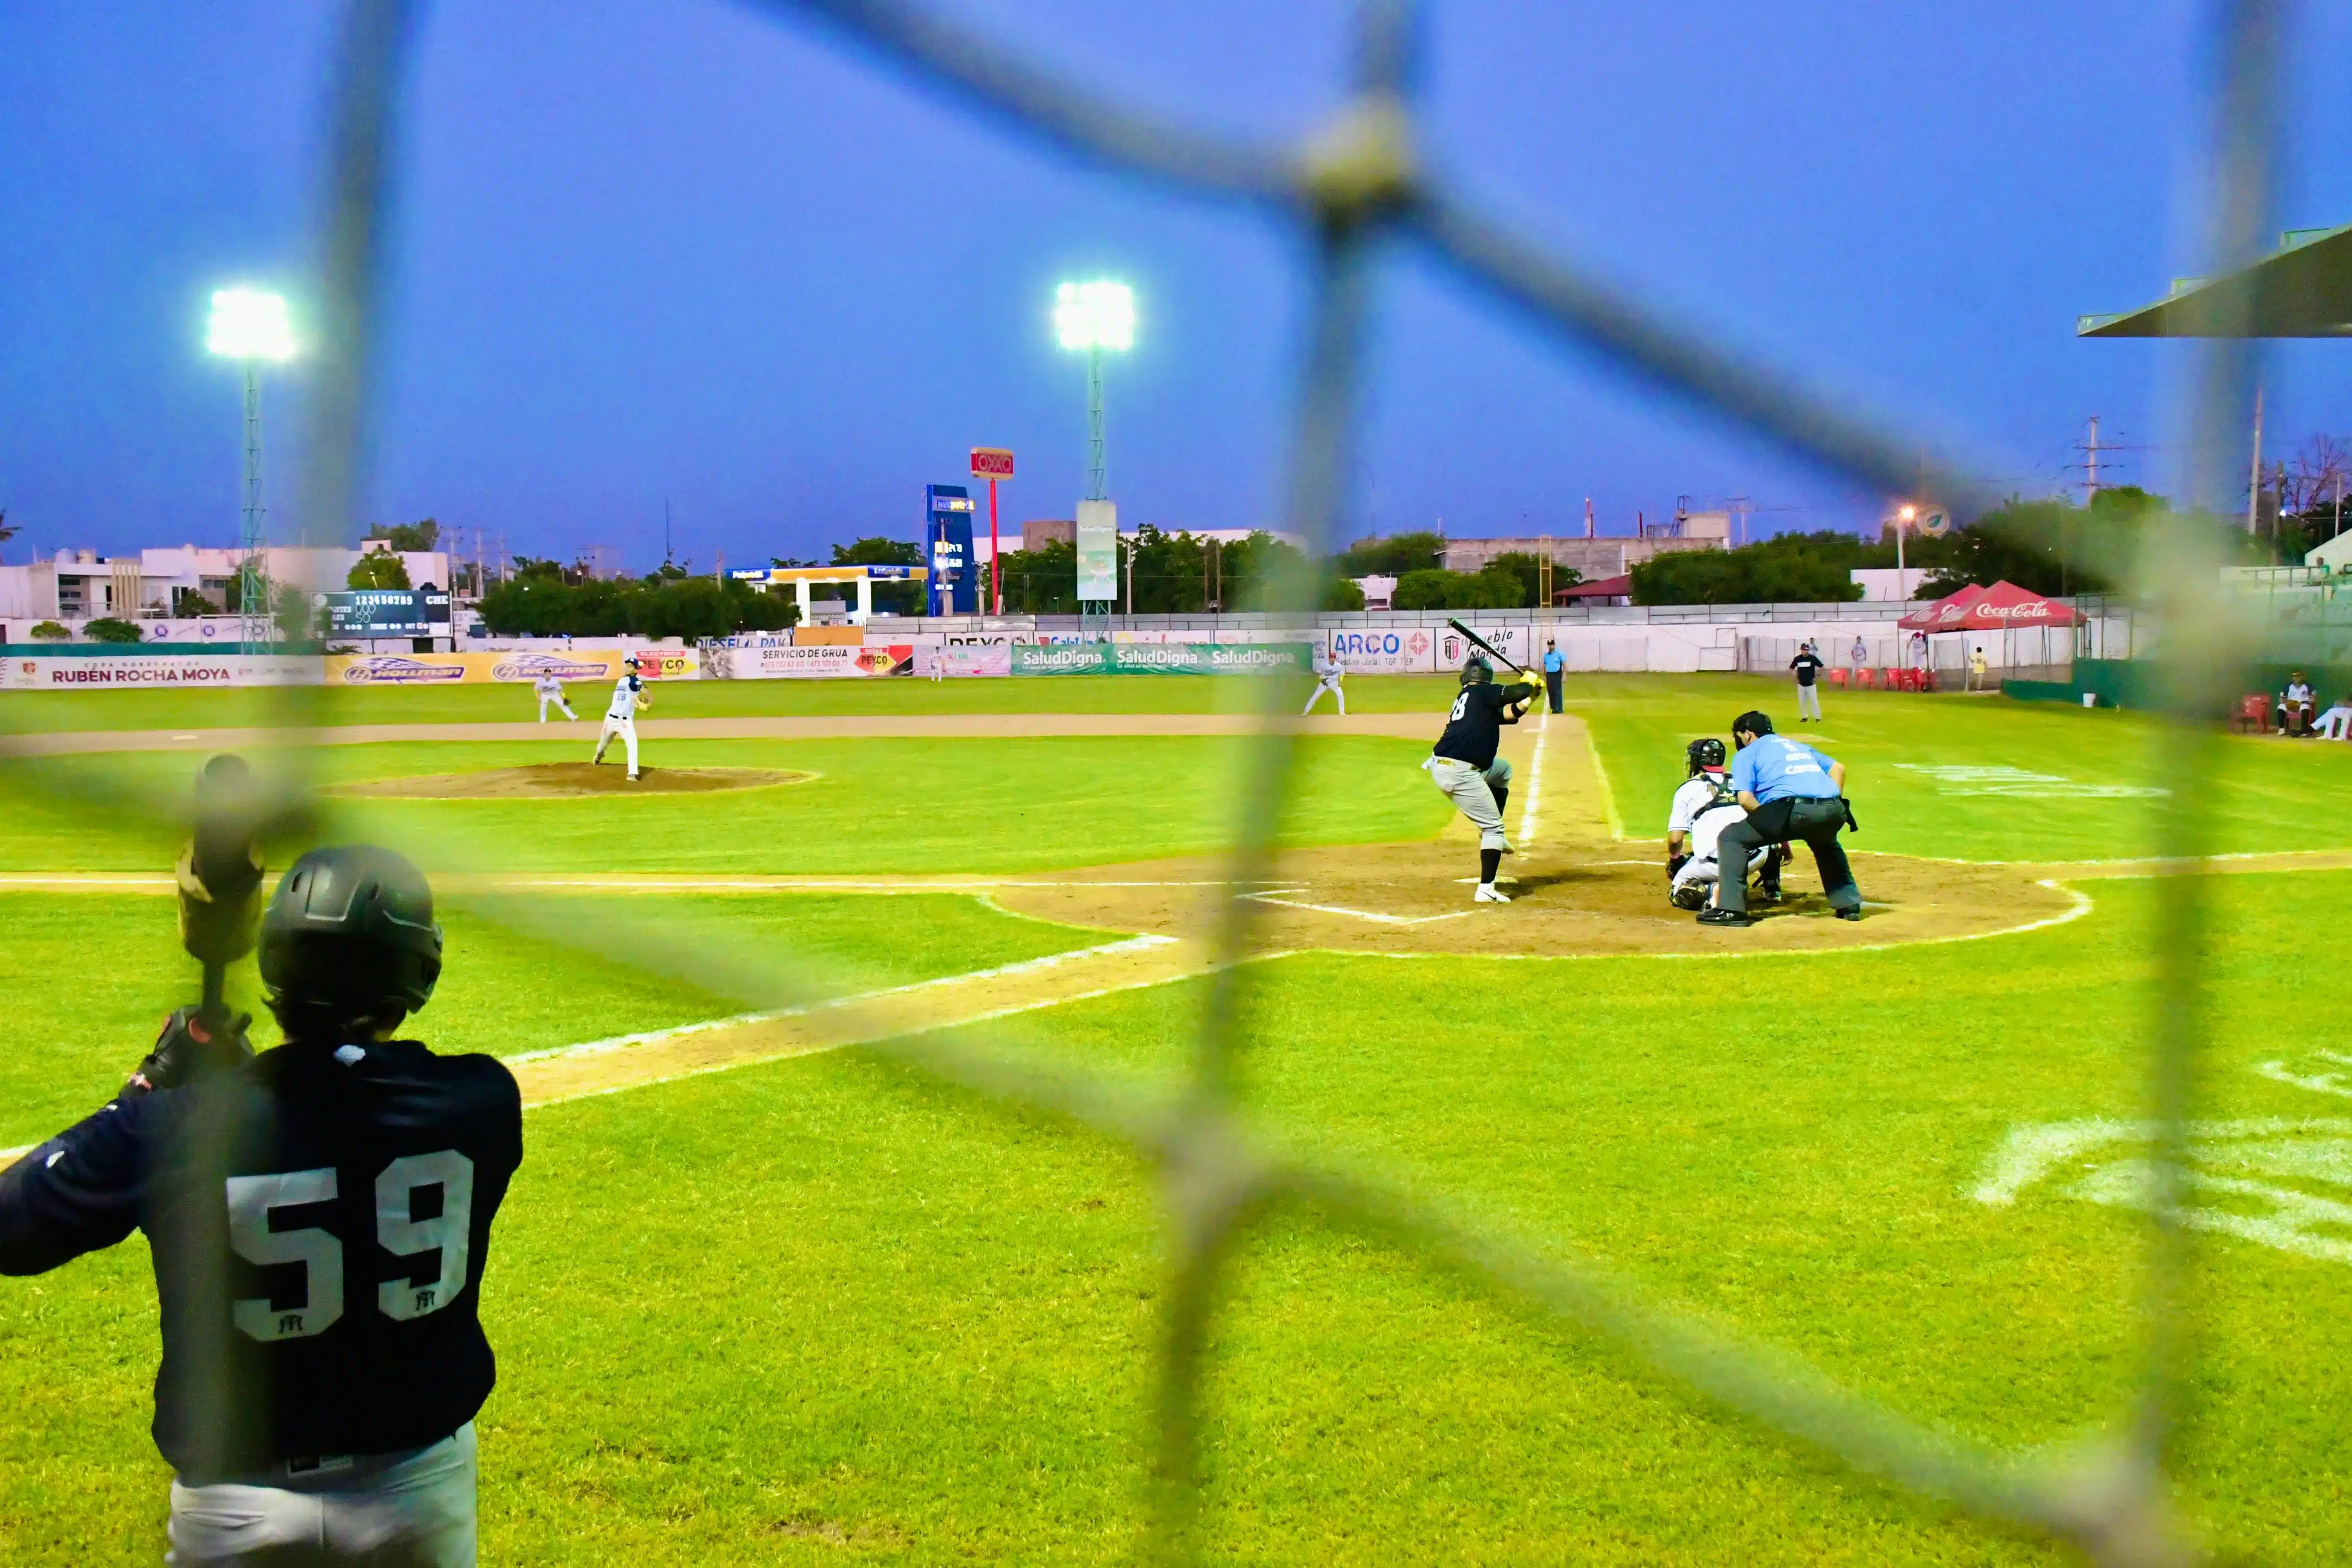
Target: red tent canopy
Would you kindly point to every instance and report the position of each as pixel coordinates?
(1994, 609)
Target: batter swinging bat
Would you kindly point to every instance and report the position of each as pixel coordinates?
(1485, 647)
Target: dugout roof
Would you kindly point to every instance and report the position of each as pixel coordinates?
(2303, 289)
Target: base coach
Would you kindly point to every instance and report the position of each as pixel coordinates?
(1791, 791)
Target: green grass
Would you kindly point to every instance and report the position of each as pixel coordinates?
(878, 805)
(826, 1310)
(36, 712)
(2267, 795)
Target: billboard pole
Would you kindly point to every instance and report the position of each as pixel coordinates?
(992, 464)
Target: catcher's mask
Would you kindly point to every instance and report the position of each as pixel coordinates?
(1477, 671)
(1704, 753)
(349, 935)
(1688, 895)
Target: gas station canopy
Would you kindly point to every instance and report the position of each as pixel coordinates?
(2303, 289)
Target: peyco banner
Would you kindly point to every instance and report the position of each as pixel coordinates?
(469, 669)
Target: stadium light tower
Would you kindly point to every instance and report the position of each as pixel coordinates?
(1095, 317)
(249, 325)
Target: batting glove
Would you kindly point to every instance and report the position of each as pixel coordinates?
(195, 1044)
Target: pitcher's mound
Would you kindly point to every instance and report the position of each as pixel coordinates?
(549, 781)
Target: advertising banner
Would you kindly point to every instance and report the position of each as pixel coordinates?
(474, 669)
(826, 661)
(1453, 650)
(141, 672)
(1409, 650)
(1097, 552)
(1162, 659)
(975, 659)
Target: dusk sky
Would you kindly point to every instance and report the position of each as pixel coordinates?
(679, 252)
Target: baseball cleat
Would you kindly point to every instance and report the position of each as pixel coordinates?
(1849, 915)
(632, 778)
(1486, 894)
(1725, 917)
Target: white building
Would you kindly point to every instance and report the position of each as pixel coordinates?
(1886, 582)
(155, 584)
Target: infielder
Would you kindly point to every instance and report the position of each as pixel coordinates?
(1328, 673)
(1703, 805)
(550, 690)
(319, 1219)
(1463, 765)
(629, 694)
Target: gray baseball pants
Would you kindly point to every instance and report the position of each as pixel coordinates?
(1472, 789)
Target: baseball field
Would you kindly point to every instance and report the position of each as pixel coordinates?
(763, 1293)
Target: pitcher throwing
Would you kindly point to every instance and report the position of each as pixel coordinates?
(629, 694)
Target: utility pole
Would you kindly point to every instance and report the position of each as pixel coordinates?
(1588, 517)
(2091, 464)
(2255, 473)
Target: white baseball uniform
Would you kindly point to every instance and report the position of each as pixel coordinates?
(620, 720)
(1701, 810)
(2335, 724)
(1328, 673)
(550, 690)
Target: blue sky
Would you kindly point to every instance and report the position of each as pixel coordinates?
(680, 253)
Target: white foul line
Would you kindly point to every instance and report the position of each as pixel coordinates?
(1026, 966)
(1359, 914)
(1527, 820)
(1600, 779)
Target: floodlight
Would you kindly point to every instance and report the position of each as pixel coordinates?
(248, 324)
(1907, 513)
(1096, 315)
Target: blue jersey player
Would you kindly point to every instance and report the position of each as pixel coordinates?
(320, 1220)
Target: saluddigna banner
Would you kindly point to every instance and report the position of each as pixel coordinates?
(1162, 659)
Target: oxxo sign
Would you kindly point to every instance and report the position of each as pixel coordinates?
(990, 463)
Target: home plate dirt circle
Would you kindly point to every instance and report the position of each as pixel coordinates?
(557, 780)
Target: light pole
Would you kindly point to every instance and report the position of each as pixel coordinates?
(249, 325)
(1095, 317)
(1098, 316)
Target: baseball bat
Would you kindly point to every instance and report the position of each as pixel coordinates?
(1481, 643)
(219, 872)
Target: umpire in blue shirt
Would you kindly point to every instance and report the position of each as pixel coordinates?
(1791, 793)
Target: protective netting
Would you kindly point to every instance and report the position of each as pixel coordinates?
(1357, 185)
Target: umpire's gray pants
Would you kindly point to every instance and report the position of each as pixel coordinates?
(406, 1510)
(1809, 702)
(1472, 789)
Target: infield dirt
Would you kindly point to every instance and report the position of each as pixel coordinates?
(554, 780)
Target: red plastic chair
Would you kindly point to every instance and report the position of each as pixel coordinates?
(1894, 679)
(1837, 678)
(1861, 679)
(2254, 715)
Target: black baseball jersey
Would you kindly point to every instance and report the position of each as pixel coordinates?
(1807, 668)
(1474, 727)
(320, 1220)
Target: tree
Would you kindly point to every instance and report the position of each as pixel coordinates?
(109, 629)
(187, 603)
(378, 569)
(1042, 581)
(1810, 568)
(543, 604)
(1339, 593)
(1434, 588)
(51, 631)
(893, 598)
(1394, 555)
(418, 538)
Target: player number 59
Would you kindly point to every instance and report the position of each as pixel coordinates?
(252, 1199)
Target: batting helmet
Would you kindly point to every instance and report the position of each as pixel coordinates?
(1477, 671)
(349, 935)
(1704, 753)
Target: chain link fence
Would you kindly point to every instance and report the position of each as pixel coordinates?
(1361, 184)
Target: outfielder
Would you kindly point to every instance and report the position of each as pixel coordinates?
(550, 690)
(1463, 765)
(629, 694)
(1328, 673)
(320, 1221)
(1703, 805)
